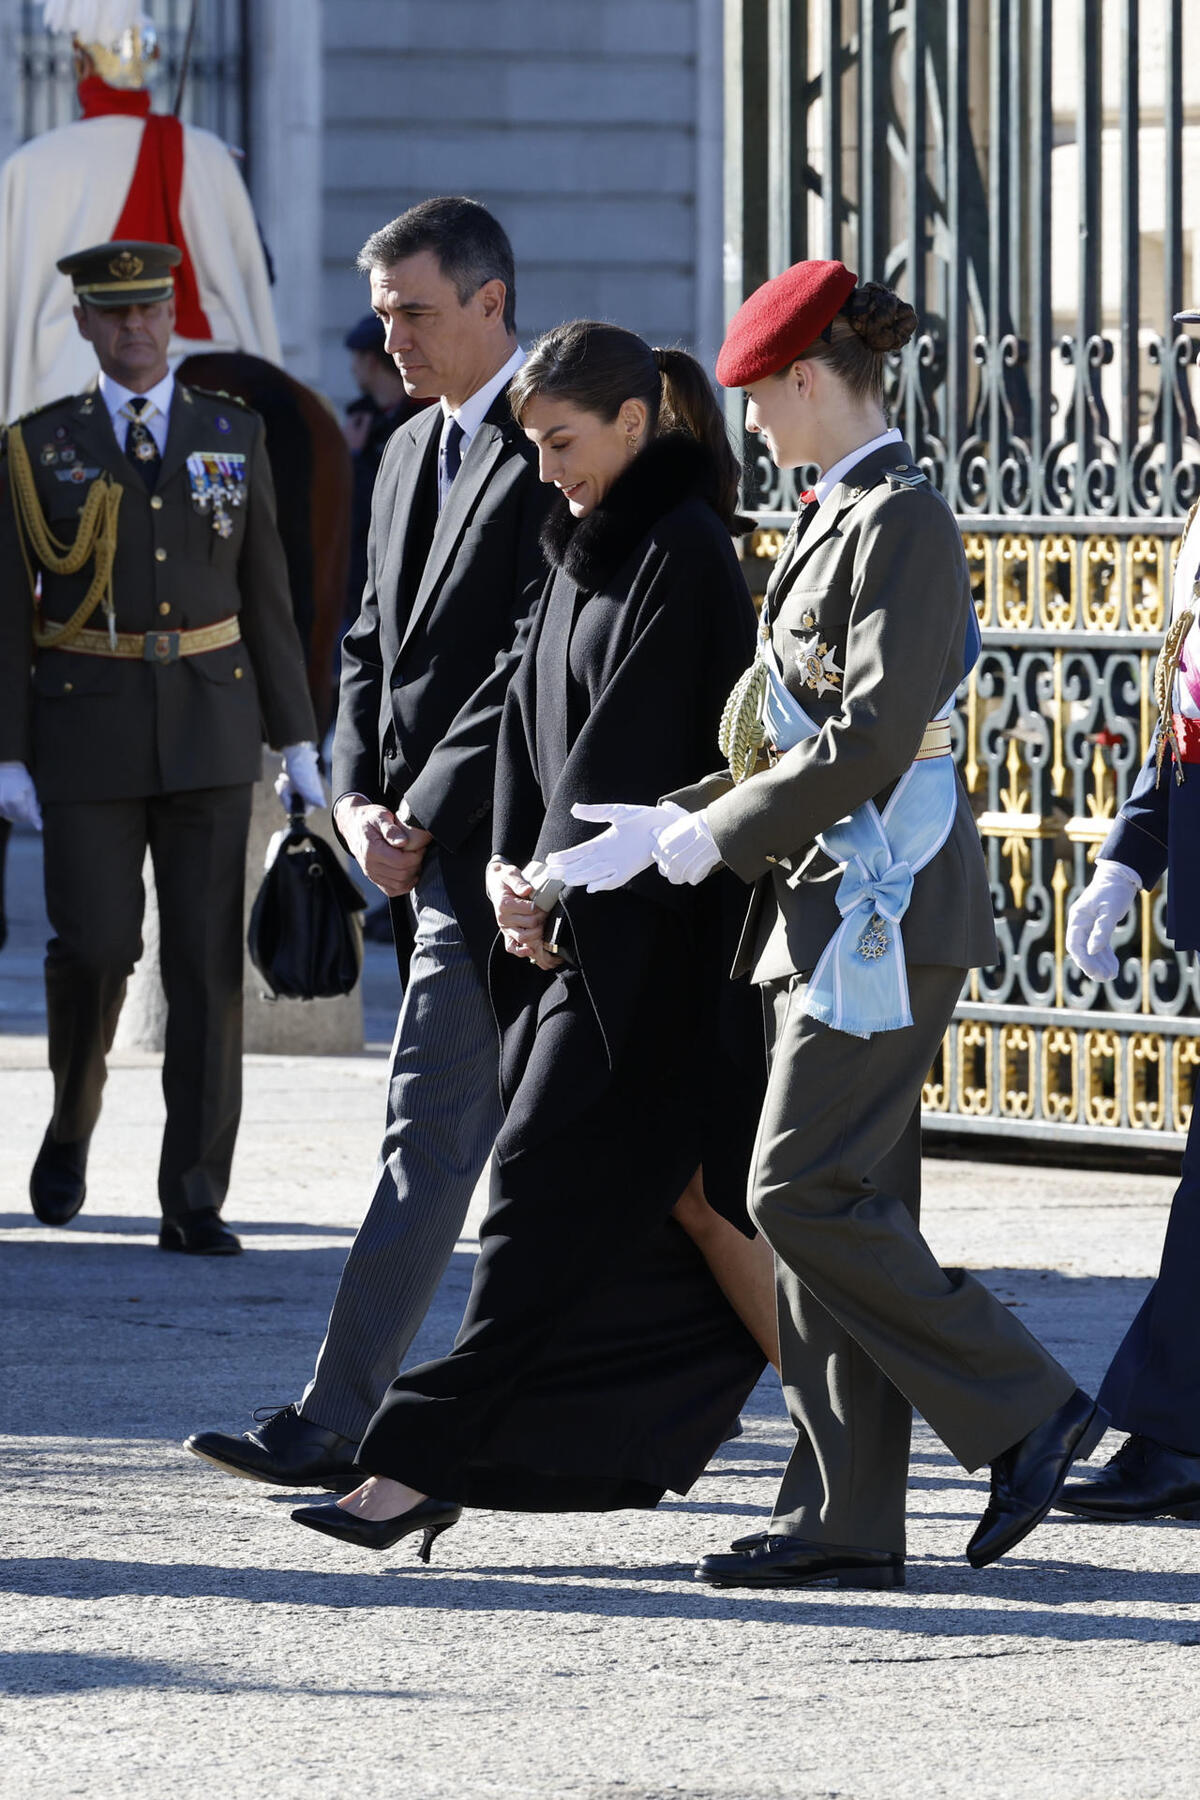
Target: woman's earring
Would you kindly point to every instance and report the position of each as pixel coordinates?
(631, 442)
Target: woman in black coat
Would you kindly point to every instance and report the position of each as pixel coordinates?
(599, 1363)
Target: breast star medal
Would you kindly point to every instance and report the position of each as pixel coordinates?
(816, 664)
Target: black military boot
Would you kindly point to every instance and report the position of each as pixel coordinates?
(58, 1182)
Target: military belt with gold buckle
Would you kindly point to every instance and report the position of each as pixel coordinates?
(935, 741)
(155, 646)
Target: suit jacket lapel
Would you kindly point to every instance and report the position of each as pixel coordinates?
(95, 437)
(483, 453)
(412, 473)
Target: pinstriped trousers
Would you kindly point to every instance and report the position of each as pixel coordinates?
(443, 1115)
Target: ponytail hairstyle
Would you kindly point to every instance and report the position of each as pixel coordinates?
(597, 367)
(873, 321)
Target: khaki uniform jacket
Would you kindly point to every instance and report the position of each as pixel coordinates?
(107, 728)
(869, 614)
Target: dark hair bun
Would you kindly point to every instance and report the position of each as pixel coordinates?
(882, 319)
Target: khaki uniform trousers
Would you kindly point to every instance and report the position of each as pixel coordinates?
(870, 1325)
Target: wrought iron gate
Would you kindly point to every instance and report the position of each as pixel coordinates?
(1017, 169)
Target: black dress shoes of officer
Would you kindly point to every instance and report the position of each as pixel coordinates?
(200, 1233)
(772, 1560)
(430, 1517)
(58, 1182)
(1144, 1480)
(287, 1450)
(1028, 1478)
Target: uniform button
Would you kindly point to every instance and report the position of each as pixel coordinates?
(237, 673)
(156, 502)
(160, 554)
(164, 607)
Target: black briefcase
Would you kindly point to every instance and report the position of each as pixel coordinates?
(305, 935)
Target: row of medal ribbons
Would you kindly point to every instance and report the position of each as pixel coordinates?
(218, 483)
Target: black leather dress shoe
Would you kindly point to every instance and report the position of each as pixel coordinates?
(773, 1560)
(1028, 1478)
(199, 1234)
(1144, 1480)
(58, 1181)
(287, 1450)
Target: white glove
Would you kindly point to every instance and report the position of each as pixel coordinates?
(18, 796)
(618, 854)
(684, 850)
(300, 777)
(1095, 916)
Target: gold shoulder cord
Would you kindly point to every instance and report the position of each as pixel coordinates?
(96, 536)
(1165, 671)
(741, 734)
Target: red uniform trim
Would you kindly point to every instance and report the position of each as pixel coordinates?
(151, 210)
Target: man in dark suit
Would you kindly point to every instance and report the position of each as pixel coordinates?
(454, 566)
(1152, 1388)
(146, 642)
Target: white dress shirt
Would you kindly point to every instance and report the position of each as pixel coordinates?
(471, 414)
(829, 478)
(156, 414)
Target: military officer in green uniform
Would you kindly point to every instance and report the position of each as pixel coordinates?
(147, 647)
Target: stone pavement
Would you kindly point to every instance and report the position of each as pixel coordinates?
(168, 1631)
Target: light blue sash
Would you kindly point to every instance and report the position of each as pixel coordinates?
(860, 984)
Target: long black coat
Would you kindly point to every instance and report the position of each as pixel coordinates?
(597, 1363)
(643, 630)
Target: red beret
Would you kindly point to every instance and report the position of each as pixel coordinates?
(781, 320)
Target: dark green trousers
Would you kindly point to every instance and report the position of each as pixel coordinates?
(94, 853)
(870, 1325)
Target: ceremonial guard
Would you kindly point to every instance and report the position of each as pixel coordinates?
(122, 171)
(842, 808)
(146, 646)
(1152, 1388)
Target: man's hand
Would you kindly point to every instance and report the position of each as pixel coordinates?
(18, 796)
(388, 853)
(1093, 920)
(522, 924)
(300, 778)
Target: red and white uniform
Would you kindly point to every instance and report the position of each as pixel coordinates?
(113, 174)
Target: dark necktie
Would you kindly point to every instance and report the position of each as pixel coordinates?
(451, 457)
(140, 446)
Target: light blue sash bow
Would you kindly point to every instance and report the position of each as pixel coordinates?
(860, 983)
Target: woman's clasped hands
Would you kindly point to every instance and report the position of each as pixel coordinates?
(522, 923)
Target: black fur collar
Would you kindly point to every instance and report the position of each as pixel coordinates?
(670, 469)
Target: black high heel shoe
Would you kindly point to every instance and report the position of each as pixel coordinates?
(429, 1516)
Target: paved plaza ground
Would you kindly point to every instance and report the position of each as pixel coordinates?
(167, 1631)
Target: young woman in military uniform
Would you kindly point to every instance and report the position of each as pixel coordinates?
(842, 810)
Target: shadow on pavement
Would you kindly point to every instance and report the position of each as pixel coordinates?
(625, 1595)
(125, 1225)
(64, 1672)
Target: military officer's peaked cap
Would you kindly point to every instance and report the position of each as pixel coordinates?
(125, 273)
(1191, 317)
(781, 320)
